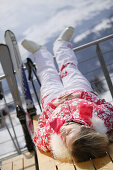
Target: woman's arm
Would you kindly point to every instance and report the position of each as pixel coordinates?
(41, 134)
(92, 97)
(66, 97)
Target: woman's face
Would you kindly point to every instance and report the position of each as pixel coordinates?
(69, 133)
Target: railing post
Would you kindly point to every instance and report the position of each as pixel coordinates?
(104, 68)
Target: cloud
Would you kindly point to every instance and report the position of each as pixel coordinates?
(106, 23)
(43, 19)
(69, 16)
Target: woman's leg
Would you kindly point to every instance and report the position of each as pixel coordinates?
(71, 77)
(51, 85)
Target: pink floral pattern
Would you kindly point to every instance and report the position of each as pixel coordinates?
(79, 109)
(64, 73)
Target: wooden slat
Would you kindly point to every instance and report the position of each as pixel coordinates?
(18, 164)
(46, 161)
(35, 122)
(65, 166)
(103, 163)
(7, 166)
(29, 161)
(111, 150)
(84, 165)
(25, 161)
(12, 159)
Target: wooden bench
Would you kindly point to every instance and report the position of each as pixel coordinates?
(47, 162)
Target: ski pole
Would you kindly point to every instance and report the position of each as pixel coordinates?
(36, 94)
(33, 68)
(30, 78)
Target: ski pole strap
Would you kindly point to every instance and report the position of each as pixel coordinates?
(32, 69)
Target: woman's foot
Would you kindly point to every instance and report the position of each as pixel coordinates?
(31, 46)
(66, 35)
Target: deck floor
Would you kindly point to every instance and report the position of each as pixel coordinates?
(47, 162)
(25, 161)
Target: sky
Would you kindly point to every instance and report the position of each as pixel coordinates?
(41, 20)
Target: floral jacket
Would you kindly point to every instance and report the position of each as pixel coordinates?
(87, 110)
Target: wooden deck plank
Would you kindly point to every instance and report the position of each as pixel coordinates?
(7, 166)
(35, 122)
(84, 165)
(12, 159)
(46, 161)
(65, 166)
(29, 161)
(18, 164)
(103, 163)
(111, 150)
(25, 161)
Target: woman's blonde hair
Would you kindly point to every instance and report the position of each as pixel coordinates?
(89, 144)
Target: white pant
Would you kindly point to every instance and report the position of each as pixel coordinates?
(53, 84)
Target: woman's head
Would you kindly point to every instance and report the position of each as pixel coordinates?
(69, 133)
(84, 143)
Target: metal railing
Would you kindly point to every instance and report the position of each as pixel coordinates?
(100, 58)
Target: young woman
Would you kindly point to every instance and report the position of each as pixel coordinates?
(75, 122)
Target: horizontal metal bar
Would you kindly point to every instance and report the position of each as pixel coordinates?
(92, 71)
(6, 141)
(90, 58)
(107, 52)
(93, 43)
